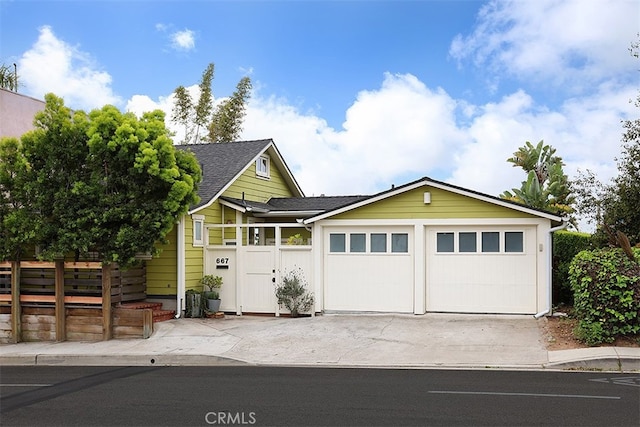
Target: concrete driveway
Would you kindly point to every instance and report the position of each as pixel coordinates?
(387, 340)
(375, 340)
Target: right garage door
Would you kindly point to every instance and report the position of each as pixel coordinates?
(481, 269)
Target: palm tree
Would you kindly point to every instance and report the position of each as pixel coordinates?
(546, 186)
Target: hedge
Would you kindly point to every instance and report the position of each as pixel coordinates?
(606, 289)
(566, 245)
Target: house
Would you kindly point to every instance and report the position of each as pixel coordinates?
(426, 246)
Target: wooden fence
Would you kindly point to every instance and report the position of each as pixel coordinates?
(58, 301)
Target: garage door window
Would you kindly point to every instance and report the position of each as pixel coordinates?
(513, 241)
(444, 242)
(467, 241)
(357, 242)
(336, 243)
(490, 241)
(378, 242)
(400, 242)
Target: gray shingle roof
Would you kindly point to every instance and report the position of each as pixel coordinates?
(221, 162)
(297, 204)
(322, 203)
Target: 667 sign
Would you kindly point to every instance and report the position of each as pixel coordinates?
(222, 262)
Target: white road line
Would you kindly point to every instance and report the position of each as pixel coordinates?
(491, 393)
(26, 385)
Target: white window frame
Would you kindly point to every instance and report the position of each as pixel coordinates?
(198, 221)
(263, 162)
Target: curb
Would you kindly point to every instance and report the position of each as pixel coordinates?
(619, 364)
(120, 360)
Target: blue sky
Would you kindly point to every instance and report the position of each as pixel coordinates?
(358, 95)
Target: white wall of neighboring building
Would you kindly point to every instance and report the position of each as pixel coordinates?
(17, 112)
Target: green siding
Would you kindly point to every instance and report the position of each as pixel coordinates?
(444, 204)
(161, 270)
(194, 255)
(259, 189)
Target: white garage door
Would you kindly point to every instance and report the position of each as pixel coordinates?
(481, 269)
(369, 269)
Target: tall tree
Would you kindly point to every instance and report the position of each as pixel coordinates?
(8, 77)
(104, 182)
(194, 116)
(616, 204)
(547, 186)
(222, 124)
(622, 206)
(226, 123)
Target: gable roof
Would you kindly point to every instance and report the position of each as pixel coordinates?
(443, 186)
(223, 163)
(299, 207)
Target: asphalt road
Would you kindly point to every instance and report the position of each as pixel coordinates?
(177, 396)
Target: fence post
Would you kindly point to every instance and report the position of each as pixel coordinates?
(16, 308)
(61, 333)
(106, 302)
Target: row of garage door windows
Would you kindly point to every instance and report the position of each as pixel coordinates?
(490, 242)
(446, 242)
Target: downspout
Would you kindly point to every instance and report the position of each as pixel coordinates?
(180, 288)
(550, 267)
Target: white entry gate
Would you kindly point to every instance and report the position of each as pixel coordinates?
(258, 277)
(251, 272)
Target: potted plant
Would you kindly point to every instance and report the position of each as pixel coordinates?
(212, 285)
(293, 294)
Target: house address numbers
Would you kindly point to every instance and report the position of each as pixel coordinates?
(222, 262)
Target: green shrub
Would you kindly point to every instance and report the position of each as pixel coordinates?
(606, 291)
(566, 245)
(293, 294)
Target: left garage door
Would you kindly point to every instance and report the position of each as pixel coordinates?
(369, 269)
(481, 269)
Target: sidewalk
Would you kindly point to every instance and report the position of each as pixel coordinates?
(340, 340)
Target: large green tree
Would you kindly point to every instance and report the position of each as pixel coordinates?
(14, 200)
(103, 182)
(222, 123)
(546, 187)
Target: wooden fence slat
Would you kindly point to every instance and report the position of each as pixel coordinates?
(84, 265)
(37, 264)
(106, 302)
(60, 300)
(16, 321)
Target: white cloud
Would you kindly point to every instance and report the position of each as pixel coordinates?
(51, 65)
(183, 40)
(586, 132)
(570, 43)
(405, 130)
(402, 129)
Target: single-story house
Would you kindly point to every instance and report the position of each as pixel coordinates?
(426, 246)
